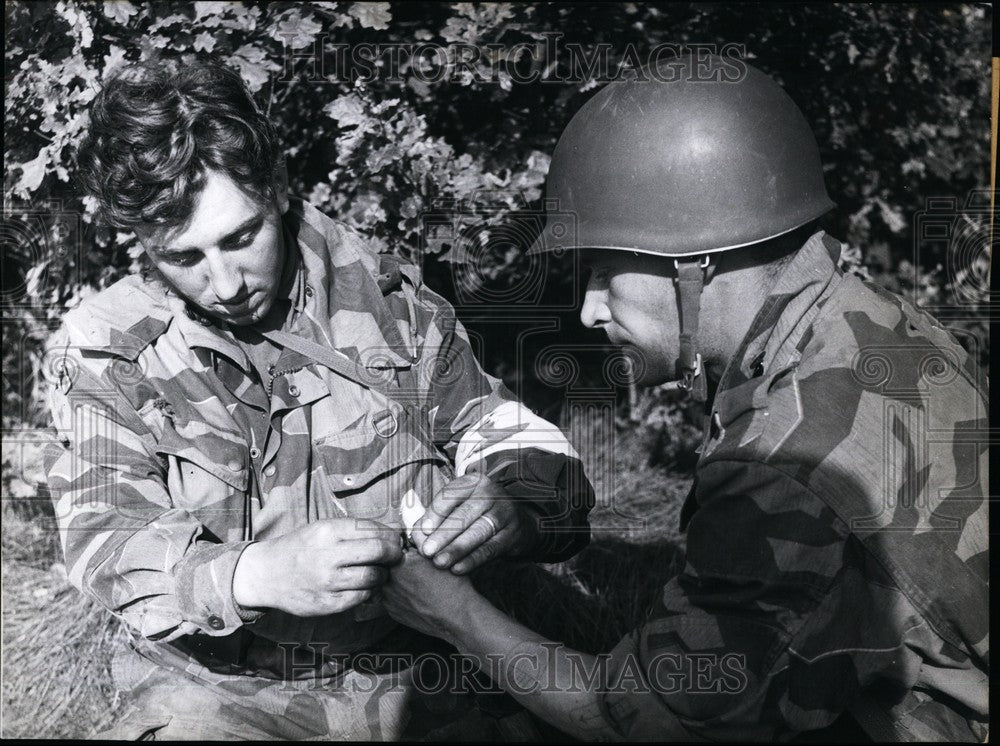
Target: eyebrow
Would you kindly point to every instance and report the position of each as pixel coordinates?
(246, 225)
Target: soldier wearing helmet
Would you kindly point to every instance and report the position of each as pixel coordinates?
(835, 573)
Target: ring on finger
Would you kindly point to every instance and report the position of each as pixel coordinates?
(493, 524)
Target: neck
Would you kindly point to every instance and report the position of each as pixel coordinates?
(737, 292)
(730, 309)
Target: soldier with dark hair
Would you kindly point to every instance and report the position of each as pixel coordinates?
(836, 566)
(249, 425)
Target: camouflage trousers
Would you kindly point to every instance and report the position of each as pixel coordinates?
(432, 699)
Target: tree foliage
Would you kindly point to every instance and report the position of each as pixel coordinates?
(897, 95)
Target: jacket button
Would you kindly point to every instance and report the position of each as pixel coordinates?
(309, 291)
(216, 622)
(293, 390)
(235, 465)
(270, 369)
(348, 480)
(269, 471)
(255, 452)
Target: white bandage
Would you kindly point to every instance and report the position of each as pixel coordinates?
(509, 427)
(410, 510)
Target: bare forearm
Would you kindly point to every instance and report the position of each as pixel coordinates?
(564, 687)
(543, 676)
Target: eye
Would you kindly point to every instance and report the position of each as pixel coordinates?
(182, 259)
(243, 241)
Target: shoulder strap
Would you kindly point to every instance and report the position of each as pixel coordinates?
(335, 361)
(390, 277)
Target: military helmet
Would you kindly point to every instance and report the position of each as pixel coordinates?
(699, 156)
(706, 155)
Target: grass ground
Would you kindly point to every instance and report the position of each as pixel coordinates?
(56, 643)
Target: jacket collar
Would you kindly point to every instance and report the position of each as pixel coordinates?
(770, 347)
(340, 272)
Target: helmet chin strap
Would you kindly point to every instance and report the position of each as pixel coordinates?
(692, 273)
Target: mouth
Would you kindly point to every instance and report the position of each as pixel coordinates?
(249, 312)
(242, 306)
(615, 339)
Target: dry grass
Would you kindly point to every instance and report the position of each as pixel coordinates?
(56, 644)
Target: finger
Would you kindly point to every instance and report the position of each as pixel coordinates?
(351, 529)
(478, 533)
(459, 522)
(418, 538)
(387, 550)
(453, 494)
(364, 527)
(359, 578)
(495, 547)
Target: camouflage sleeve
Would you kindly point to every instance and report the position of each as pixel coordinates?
(772, 626)
(152, 565)
(482, 427)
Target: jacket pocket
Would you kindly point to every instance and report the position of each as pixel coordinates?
(369, 475)
(203, 473)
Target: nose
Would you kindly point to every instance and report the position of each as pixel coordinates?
(226, 279)
(595, 312)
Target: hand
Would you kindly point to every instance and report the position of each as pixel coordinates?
(323, 568)
(425, 598)
(472, 520)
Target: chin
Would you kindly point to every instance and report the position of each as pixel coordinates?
(251, 318)
(648, 368)
(655, 376)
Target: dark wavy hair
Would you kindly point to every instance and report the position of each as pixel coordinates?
(157, 127)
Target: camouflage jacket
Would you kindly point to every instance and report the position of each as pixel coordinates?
(177, 452)
(836, 533)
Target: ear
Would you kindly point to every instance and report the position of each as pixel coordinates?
(279, 185)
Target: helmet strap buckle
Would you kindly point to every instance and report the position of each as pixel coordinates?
(691, 272)
(688, 377)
